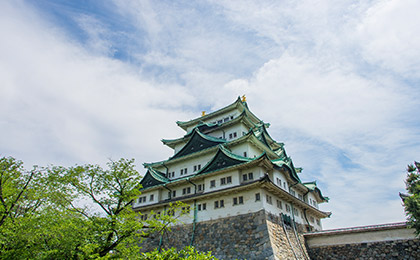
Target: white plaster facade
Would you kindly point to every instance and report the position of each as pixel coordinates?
(229, 163)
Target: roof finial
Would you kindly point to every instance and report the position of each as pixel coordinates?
(243, 98)
(203, 113)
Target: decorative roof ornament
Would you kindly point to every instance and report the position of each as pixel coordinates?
(203, 113)
(243, 98)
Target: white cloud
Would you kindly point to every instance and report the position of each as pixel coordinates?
(302, 66)
(64, 105)
(389, 36)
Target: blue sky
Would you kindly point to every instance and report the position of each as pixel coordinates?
(85, 81)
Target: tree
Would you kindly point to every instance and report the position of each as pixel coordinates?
(80, 212)
(114, 228)
(412, 200)
(188, 253)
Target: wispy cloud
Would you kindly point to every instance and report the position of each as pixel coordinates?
(337, 81)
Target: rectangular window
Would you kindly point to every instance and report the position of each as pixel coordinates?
(204, 206)
(287, 208)
(278, 182)
(186, 190)
(235, 201)
(199, 167)
(241, 200)
(279, 204)
(244, 177)
(185, 171)
(229, 179)
(235, 135)
(216, 204)
(300, 196)
(293, 193)
(199, 207)
(230, 136)
(200, 187)
(226, 119)
(182, 171)
(222, 181)
(268, 199)
(169, 195)
(195, 168)
(174, 194)
(257, 197)
(245, 154)
(151, 197)
(284, 184)
(222, 203)
(250, 176)
(212, 184)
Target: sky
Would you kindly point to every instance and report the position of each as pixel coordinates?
(86, 81)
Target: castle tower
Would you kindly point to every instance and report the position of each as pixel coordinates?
(239, 184)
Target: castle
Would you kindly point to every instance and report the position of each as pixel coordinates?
(228, 169)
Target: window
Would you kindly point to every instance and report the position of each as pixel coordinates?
(200, 187)
(300, 196)
(185, 171)
(174, 194)
(318, 222)
(231, 117)
(278, 182)
(268, 199)
(169, 195)
(226, 180)
(186, 209)
(142, 199)
(235, 135)
(250, 176)
(201, 207)
(212, 184)
(287, 208)
(186, 190)
(293, 193)
(238, 200)
(226, 119)
(220, 121)
(284, 184)
(257, 197)
(230, 136)
(279, 204)
(182, 171)
(195, 168)
(151, 197)
(219, 204)
(245, 177)
(245, 154)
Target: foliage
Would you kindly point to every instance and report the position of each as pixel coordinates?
(412, 201)
(80, 212)
(188, 253)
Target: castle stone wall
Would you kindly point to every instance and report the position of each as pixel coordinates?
(258, 235)
(392, 241)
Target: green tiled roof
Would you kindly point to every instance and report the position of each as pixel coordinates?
(198, 141)
(312, 186)
(223, 159)
(153, 178)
